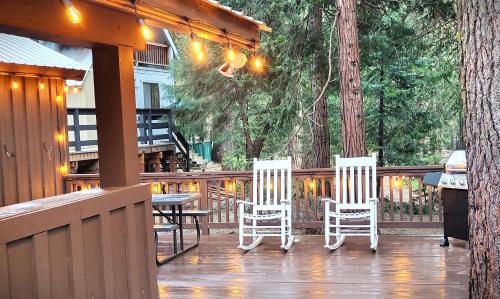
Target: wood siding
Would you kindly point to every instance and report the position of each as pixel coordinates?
(95, 244)
(31, 155)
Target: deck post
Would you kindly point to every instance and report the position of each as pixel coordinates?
(116, 115)
(204, 206)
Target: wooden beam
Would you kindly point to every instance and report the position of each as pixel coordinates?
(43, 71)
(46, 19)
(115, 114)
(206, 20)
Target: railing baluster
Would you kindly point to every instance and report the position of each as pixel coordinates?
(297, 199)
(410, 192)
(382, 199)
(391, 196)
(420, 206)
(306, 200)
(401, 207)
(430, 195)
(315, 198)
(219, 210)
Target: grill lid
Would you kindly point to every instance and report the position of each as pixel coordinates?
(457, 162)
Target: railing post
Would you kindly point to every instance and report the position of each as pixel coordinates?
(170, 124)
(204, 206)
(76, 129)
(141, 122)
(150, 126)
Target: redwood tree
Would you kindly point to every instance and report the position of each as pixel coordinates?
(353, 122)
(319, 123)
(480, 78)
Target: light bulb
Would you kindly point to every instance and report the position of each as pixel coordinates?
(60, 137)
(196, 46)
(41, 86)
(75, 89)
(231, 54)
(146, 32)
(258, 64)
(200, 56)
(63, 169)
(58, 98)
(72, 12)
(15, 85)
(66, 88)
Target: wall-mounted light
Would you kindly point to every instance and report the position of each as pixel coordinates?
(146, 32)
(72, 12)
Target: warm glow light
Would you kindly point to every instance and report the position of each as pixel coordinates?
(200, 56)
(41, 86)
(196, 45)
(60, 137)
(58, 98)
(15, 85)
(72, 12)
(63, 169)
(155, 187)
(66, 88)
(312, 183)
(75, 89)
(258, 63)
(193, 187)
(231, 186)
(231, 54)
(146, 32)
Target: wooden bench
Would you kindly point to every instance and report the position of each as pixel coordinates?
(188, 213)
(162, 228)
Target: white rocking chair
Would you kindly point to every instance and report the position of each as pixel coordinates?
(270, 201)
(355, 199)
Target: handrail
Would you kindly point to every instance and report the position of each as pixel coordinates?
(327, 172)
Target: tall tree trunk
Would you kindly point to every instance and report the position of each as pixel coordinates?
(480, 79)
(381, 111)
(353, 121)
(320, 131)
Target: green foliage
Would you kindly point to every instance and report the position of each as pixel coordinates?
(408, 56)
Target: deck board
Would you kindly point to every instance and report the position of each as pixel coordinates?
(403, 266)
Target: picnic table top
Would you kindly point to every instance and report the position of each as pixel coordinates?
(174, 199)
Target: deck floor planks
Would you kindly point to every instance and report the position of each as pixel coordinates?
(403, 266)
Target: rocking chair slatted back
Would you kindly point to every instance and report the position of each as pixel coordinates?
(272, 181)
(356, 180)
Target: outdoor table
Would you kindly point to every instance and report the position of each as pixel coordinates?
(175, 201)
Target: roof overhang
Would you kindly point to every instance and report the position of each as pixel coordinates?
(114, 22)
(41, 71)
(207, 19)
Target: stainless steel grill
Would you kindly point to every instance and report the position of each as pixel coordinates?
(452, 187)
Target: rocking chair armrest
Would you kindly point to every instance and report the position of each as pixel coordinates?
(329, 199)
(244, 202)
(373, 199)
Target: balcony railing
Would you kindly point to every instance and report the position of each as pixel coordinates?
(153, 54)
(404, 200)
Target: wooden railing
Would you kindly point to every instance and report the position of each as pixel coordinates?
(153, 54)
(404, 200)
(93, 244)
(148, 120)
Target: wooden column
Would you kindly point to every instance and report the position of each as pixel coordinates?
(116, 115)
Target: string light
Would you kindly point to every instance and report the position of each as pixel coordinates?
(146, 32)
(195, 44)
(58, 98)
(63, 169)
(200, 56)
(15, 85)
(258, 64)
(41, 86)
(66, 88)
(75, 89)
(72, 12)
(231, 54)
(60, 137)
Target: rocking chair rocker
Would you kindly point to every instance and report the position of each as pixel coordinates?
(270, 201)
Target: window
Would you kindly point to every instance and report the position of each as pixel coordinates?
(152, 95)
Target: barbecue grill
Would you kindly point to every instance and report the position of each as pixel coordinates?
(452, 184)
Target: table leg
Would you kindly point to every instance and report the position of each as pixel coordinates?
(181, 231)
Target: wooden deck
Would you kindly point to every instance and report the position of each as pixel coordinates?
(403, 266)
